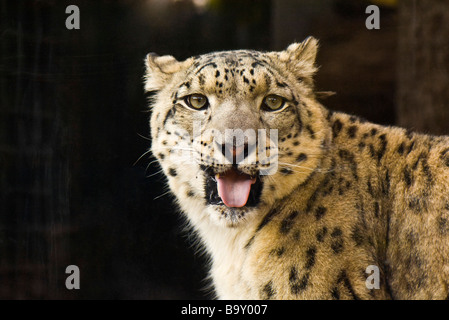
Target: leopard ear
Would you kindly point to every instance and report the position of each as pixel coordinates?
(300, 57)
(160, 70)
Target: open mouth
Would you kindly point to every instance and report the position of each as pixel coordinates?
(233, 188)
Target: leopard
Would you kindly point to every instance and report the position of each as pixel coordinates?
(289, 199)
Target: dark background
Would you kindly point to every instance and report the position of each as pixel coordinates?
(74, 121)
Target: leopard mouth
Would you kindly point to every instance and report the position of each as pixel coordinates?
(233, 188)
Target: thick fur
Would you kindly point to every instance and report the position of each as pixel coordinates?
(347, 194)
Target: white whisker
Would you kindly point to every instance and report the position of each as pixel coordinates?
(146, 138)
(145, 153)
(296, 166)
(160, 196)
(155, 173)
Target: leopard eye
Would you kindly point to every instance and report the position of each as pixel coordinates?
(273, 102)
(197, 101)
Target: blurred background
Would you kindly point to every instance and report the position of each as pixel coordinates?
(74, 121)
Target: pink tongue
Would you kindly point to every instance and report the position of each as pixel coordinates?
(234, 187)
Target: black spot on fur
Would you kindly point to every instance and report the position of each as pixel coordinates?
(345, 154)
(443, 225)
(321, 234)
(370, 187)
(297, 285)
(277, 252)
(280, 251)
(336, 128)
(357, 236)
(312, 199)
(311, 132)
(286, 171)
(386, 183)
(401, 148)
(320, 212)
(376, 209)
(407, 177)
(190, 194)
(169, 114)
(267, 291)
(268, 80)
(217, 74)
(162, 156)
(281, 84)
(212, 64)
(417, 204)
(410, 147)
(352, 130)
(336, 233)
(287, 223)
(426, 170)
(310, 257)
(383, 147)
(250, 242)
(172, 172)
(335, 293)
(201, 79)
(301, 157)
(337, 244)
(186, 84)
(343, 278)
(293, 276)
(362, 145)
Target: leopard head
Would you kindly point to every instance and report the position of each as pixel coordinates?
(236, 130)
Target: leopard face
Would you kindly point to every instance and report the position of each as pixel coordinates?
(235, 131)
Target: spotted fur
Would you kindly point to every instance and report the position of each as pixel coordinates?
(347, 193)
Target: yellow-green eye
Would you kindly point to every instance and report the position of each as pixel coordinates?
(272, 102)
(197, 101)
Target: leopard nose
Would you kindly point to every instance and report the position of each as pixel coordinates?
(234, 153)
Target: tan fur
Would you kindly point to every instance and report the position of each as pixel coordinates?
(347, 194)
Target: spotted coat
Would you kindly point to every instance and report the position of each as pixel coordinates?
(346, 193)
